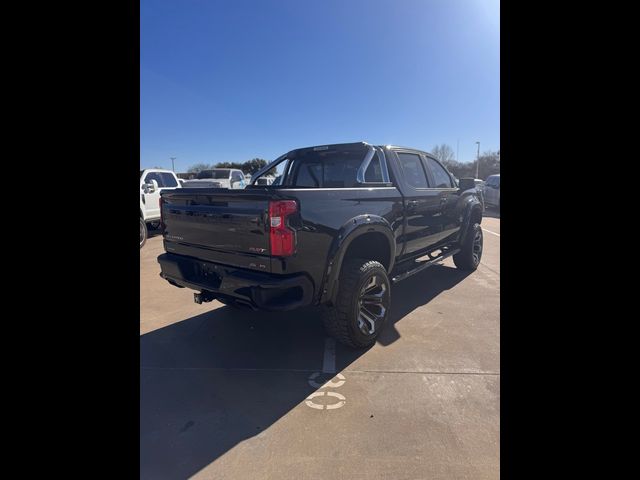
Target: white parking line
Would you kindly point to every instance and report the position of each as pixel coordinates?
(329, 361)
(489, 231)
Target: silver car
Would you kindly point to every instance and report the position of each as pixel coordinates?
(492, 190)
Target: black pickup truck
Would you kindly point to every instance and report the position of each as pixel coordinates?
(339, 224)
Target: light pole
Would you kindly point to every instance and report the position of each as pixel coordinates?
(478, 159)
(172, 167)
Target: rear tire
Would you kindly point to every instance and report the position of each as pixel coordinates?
(362, 304)
(471, 252)
(143, 232)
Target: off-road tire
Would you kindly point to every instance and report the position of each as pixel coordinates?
(341, 320)
(469, 257)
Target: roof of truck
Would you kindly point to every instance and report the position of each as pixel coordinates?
(333, 146)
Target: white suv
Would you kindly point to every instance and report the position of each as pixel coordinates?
(152, 182)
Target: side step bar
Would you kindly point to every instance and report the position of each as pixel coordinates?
(422, 265)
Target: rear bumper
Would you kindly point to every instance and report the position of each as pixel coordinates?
(261, 291)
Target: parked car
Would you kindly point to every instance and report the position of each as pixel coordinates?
(265, 180)
(492, 190)
(152, 182)
(220, 178)
(339, 225)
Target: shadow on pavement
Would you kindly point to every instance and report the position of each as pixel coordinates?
(209, 382)
(153, 232)
(491, 212)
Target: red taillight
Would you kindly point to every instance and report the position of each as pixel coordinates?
(283, 238)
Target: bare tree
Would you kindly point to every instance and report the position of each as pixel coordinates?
(444, 153)
(489, 163)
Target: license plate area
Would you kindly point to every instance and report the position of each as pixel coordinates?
(208, 274)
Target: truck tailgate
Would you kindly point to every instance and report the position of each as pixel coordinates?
(218, 225)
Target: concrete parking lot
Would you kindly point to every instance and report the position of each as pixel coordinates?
(230, 394)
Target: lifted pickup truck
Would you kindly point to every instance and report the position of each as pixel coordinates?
(336, 228)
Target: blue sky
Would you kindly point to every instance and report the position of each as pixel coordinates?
(231, 80)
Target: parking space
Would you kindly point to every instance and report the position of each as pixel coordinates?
(236, 394)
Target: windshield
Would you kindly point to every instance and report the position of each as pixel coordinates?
(221, 173)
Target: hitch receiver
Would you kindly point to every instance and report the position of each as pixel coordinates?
(202, 297)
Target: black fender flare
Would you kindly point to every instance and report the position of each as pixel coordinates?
(472, 204)
(351, 230)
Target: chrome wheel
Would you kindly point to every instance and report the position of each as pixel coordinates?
(477, 246)
(372, 305)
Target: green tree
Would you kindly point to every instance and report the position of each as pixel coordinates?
(229, 165)
(253, 165)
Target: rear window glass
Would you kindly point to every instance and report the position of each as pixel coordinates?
(329, 170)
(213, 174)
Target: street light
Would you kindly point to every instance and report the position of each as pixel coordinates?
(172, 167)
(478, 159)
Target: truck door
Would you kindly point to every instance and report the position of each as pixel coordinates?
(449, 195)
(422, 204)
(151, 200)
(237, 179)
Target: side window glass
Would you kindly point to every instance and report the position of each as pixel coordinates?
(440, 175)
(153, 176)
(168, 180)
(413, 170)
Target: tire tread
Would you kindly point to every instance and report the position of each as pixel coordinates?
(336, 319)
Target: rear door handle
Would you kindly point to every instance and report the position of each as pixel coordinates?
(443, 199)
(412, 203)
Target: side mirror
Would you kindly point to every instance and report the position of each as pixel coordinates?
(150, 187)
(466, 183)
